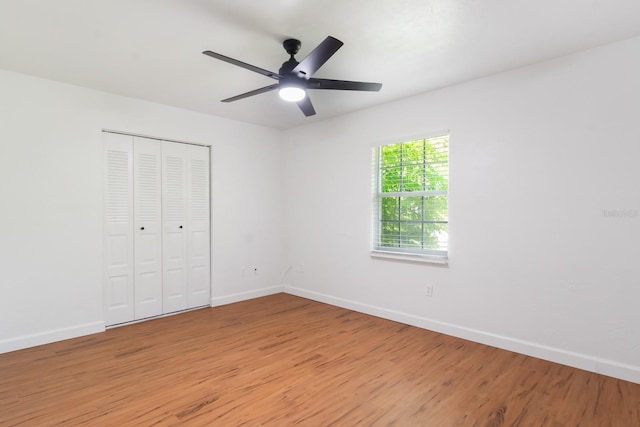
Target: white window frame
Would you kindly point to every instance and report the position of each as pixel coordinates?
(400, 253)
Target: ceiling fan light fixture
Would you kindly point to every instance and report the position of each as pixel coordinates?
(292, 93)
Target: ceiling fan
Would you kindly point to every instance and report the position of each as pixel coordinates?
(294, 78)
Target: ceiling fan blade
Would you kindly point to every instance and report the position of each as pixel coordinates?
(253, 92)
(342, 85)
(243, 65)
(318, 57)
(306, 106)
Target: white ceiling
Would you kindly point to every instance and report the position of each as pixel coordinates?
(151, 49)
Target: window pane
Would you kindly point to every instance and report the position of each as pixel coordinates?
(390, 234)
(390, 155)
(436, 236)
(413, 177)
(437, 176)
(389, 208)
(390, 179)
(435, 208)
(411, 208)
(437, 164)
(411, 235)
(413, 152)
(436, 150)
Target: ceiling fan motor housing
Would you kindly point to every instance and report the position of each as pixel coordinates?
(287, 67)
(292, 46)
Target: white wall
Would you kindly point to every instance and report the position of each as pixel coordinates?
(51, 203)
(536, 155)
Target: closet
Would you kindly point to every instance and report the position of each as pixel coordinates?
(156, 233)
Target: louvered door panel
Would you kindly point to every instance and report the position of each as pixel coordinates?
(148, 227)
(199, 264)
(174, 196)
(118, 286)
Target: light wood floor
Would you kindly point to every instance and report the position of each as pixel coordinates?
(283, 360)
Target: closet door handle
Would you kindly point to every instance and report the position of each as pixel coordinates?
(180, 226)
(141, 228)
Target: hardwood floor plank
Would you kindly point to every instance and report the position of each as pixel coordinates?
(283, 360)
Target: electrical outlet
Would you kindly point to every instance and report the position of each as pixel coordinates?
(429, 291)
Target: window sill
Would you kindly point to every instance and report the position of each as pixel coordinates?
(426, 259)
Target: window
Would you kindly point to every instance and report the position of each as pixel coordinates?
(411, 182)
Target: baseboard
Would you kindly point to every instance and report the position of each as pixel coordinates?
(581, 361)
(47, 337)
(243, 296)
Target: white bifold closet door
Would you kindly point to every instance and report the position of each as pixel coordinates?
(156, 244)
(118, 230)
(174, 225)
(147, 155)
(198, 221)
